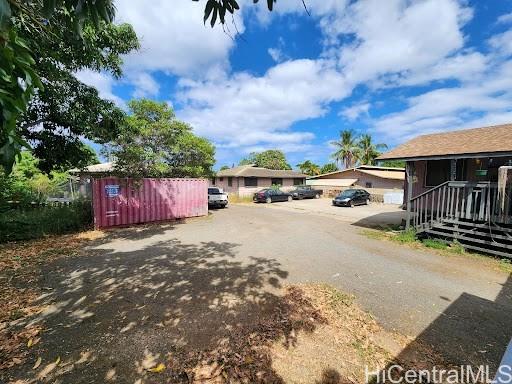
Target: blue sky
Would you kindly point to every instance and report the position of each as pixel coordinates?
(394, 69)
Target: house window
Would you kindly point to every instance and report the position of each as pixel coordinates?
(298, 181)
(230, 181)
(276, 181)
(250, 181)
(221, 179)
(368, 184)
(213, 180)
(438, 172)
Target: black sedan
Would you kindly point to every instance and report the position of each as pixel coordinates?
(351, 197)
(306, 191)
(271, 195)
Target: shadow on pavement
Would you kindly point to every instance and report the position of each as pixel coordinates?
(381, 220)
(471, 331)
(114, 316)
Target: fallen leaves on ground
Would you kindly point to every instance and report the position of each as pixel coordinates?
(159, 368)
(13, 350)
(19, 274)
(27, 254)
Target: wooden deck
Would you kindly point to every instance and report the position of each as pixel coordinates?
(476, 214)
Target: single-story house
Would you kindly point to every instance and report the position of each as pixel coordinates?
(459, 186)
(377, 180)
(244, 180)
(83, 176)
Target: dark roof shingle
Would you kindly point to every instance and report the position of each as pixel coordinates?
(492, 139)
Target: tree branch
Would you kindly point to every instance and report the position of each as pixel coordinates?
(306, 8)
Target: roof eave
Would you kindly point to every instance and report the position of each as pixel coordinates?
(447, 156)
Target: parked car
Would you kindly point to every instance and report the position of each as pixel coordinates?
(217, 198)
(306, 191)
(271, 195)
(351, 197)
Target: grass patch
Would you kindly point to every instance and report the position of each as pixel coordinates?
(434, 243)
(442, 248)
(34, 223)
(408, 236)
(237, 199)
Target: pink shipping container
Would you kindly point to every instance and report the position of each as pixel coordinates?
(126, 201)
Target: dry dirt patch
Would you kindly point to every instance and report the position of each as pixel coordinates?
(349, 340)
(19, 275)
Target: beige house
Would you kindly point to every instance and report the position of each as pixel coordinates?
(377, 180)
(245, 180)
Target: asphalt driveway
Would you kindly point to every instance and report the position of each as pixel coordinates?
(143, 293)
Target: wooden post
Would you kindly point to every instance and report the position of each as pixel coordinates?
(453, 169)
(409, 176)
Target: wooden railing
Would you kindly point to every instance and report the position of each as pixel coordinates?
(459, 200)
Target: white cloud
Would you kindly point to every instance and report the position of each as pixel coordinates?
(506, 18)
(353, 112)
(173, 37)
(481, 102)
(276, 54)
(399, 37)
(379, 44)
(502, 43)
(246, 111)
(145, 85)
(103, 82)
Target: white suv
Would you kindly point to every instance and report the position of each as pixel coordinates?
(217, 198)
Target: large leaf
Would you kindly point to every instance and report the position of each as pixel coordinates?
(210, 4)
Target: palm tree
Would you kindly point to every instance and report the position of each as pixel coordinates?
(368, 150)
(347, 150)
(309, 168)
(329, 167)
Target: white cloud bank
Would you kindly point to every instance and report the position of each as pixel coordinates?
(381, 44)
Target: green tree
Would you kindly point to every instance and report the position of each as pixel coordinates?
(58, 117)
(26, 183)
(271, 159)
(20, 21)
(224, 167)
(329, 167)
(347, 150)
(393, 163)
(153, 143)
(309, 168)
(250, 159)
(368, 150)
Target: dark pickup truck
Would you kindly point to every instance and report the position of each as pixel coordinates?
(306, 191)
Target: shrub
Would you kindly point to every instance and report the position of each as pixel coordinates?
(32, 223)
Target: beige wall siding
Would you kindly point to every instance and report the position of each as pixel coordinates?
(363, 178)
(238, 185)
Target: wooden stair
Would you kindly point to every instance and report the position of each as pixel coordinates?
(469, 213)
(482, 237)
